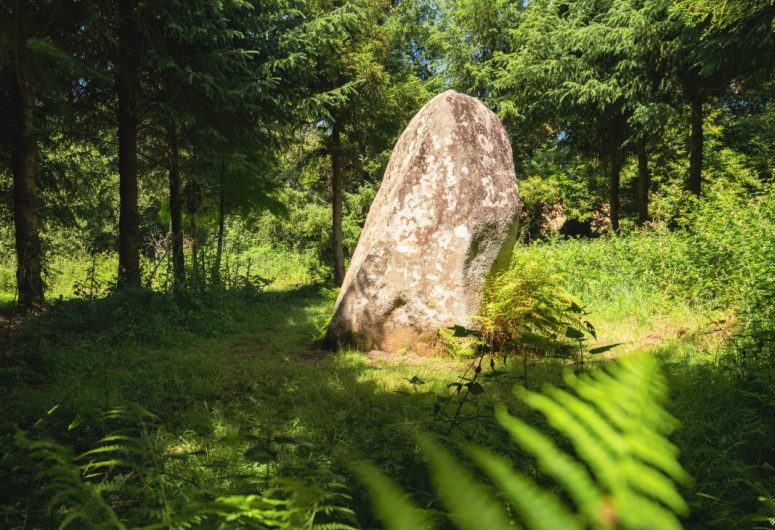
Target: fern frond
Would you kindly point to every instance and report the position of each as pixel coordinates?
(470, 505)
(617, 425)
(393, 507)
(540, 509)
(621, 472)
(556, 463)
(332, 526)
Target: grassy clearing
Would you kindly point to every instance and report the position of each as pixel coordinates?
(633, 288)
(243, 400)
(252, 402)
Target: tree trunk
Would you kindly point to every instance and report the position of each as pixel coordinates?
(644, 182)
(696, 141)
(126, 89)
(216, 275)
(614, 184)
(337, 185)
(25, 195)
(616, 161)
(194, 238)
(176, 207)
(203, 266)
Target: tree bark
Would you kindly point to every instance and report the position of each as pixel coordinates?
(25, 204)
(337, 189)
(216, 275)
(176, 207)
(614, 184)
(194, 236)
(618, 134)
(126, 89)
(644, 182)
(696, 140)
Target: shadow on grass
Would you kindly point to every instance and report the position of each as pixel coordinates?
(235, 410)
(243, 401)
(112, 345)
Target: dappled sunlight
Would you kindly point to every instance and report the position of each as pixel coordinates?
(400, 265)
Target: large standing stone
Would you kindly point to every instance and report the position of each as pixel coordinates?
(443, 218)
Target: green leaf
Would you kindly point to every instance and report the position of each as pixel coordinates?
(415, 380)
(540, 509)
(475, 388)
(470, 505)
(260, 454)
(393, 507)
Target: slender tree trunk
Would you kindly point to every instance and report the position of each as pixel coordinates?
(203, 265)
(25, 194)
(696, 141)
(216, 275)
(176, 207)
(194, 239)
(337, 185)
(126, 89)
(616, 161)
(644, 182)
(614, 184)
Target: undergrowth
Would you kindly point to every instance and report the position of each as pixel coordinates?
(621, 473)
(247, 414)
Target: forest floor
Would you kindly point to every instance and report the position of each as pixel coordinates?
(241, 396)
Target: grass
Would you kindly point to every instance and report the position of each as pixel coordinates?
(242, 396)
(639, 292)
(69, 276)
(632, 288)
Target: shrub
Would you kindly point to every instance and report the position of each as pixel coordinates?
(731, 249)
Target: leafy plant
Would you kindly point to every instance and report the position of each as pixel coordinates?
(620, 470)
(99, 487)
(525, 308)
(459, 342)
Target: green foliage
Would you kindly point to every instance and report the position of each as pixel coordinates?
(242, 99)
(622, 471)
(258, 385)
(460, 345)
(725, 444)
(720, 261)
(733, 235)
(525, 306)
(393, 507)
(84, 490)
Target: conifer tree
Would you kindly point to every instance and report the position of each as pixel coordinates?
(32, 69)
(381, 94)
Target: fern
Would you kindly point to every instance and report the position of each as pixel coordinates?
(459, 345)
(392, 506)
(527, 305)
(83, 490)
(622, 471)
(525, 309)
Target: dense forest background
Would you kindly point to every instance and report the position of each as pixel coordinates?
(173, 136)
(183, 182)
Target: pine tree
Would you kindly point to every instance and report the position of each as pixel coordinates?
(380, 94)
(33, 69)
